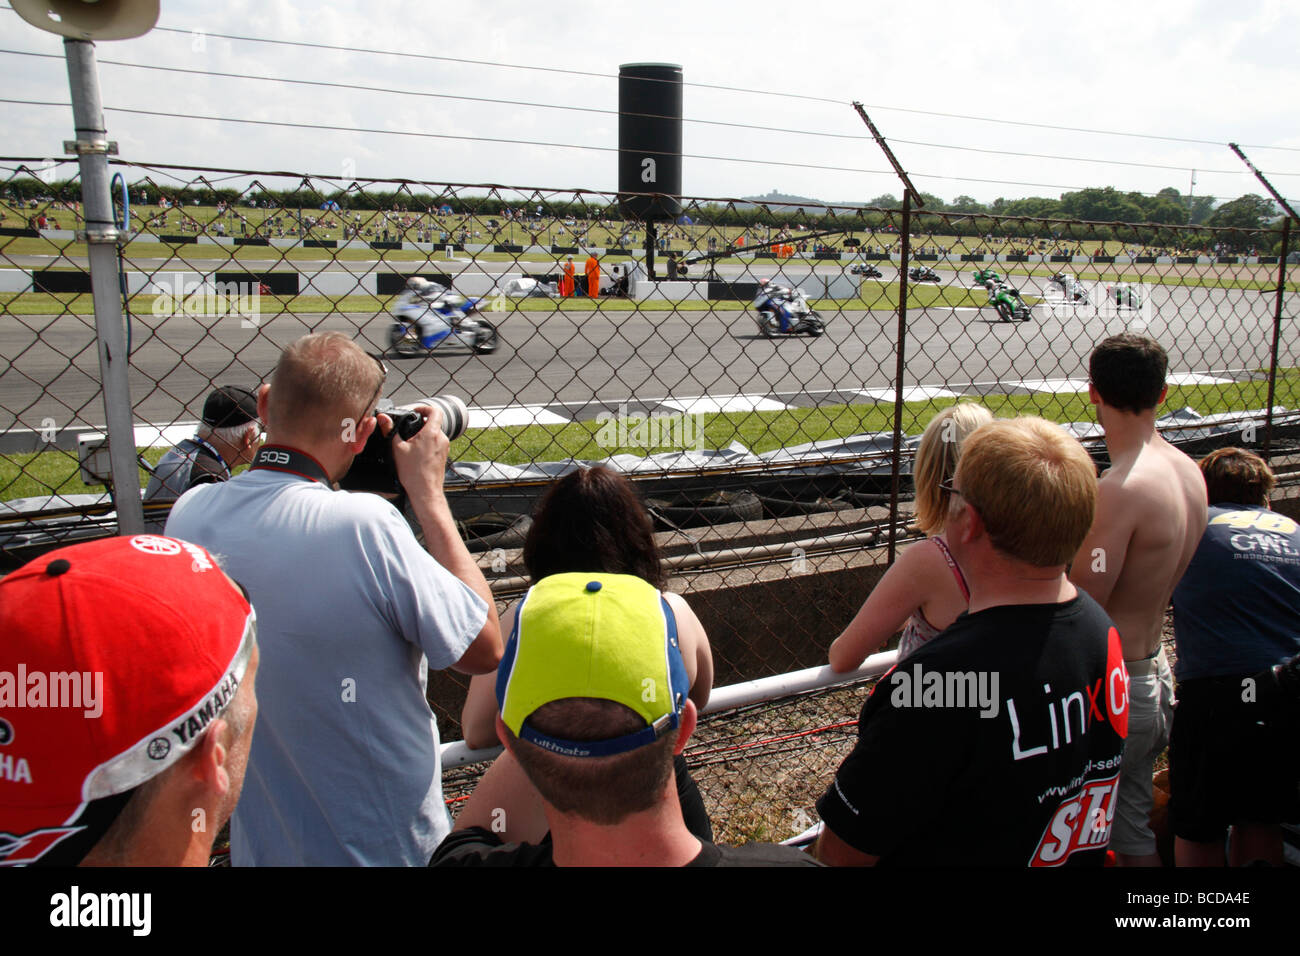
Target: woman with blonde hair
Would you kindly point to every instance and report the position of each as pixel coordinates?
(924, 590)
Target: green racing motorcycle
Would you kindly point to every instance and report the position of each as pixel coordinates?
(1006, 299)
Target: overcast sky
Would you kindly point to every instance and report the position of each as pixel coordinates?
(1196, 70)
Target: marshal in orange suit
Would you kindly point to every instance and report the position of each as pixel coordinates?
(566, 280)
(592, 268)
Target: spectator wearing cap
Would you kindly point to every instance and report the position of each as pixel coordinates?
(126, 718)
(593, 705)
(226, 438)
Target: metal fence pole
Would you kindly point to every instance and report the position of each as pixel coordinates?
(900, 363)
(101, 242)
(1277, 329)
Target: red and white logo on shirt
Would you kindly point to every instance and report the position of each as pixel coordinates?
(1116, 694)
(1080, 823)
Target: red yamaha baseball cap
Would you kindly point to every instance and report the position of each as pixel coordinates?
(116, 656)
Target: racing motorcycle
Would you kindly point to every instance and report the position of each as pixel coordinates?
(1071, 288)
(447, 317)
(922, 274)
(866, 270)
(1011, 308)
(985, 276)
(1124, 294)
(773, 301)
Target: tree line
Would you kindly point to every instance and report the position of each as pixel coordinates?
(1096, 214)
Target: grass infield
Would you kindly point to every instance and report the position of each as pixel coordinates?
(873, 295)
(56, 472)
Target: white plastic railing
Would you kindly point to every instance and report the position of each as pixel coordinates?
(456, 754)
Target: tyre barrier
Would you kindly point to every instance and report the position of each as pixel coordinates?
(722, 507)
(491, 530)
(774, 507)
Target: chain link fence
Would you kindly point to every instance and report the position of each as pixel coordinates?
(770, 434)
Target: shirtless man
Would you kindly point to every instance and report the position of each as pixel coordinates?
(1151, 513)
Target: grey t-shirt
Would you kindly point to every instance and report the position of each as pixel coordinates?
(351, 612)
(192, 462)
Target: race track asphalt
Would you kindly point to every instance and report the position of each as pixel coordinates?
(605, 358)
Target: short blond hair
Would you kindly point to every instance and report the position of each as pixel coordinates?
(322, 382)
(1034, 486)
(936, 460)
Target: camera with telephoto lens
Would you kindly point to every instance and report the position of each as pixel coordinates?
(375, 469)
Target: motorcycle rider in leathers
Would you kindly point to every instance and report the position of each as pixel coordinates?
(414, 300)
(772, 297)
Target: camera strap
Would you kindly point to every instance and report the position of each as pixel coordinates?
(290, 461)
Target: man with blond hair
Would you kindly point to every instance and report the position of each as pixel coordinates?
(999, 742)
(345, 769)
(1151, 512)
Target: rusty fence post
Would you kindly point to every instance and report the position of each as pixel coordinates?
(900, 363)
(1277, 329)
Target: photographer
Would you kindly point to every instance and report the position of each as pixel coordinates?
(346, 768)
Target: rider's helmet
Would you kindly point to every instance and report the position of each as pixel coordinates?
(418, 285)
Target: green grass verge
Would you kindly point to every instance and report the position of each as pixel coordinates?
(874, 296)
(1150, 278)
(56, 472)
(767, 431)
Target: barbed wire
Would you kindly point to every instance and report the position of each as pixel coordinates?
(590, 74)
(707, 86)
(613, 149)
(608, 112)
(235, 174)
(1079, 159)
(451, 96)
(810, 206)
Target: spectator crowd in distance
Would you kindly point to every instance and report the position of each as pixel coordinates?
(1030, 697)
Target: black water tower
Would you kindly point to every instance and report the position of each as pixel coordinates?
(650, 140)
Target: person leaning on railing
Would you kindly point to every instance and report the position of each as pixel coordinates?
(593, 520)
(1236, 624)
(593, 707)
(924, 590)
(999, 743)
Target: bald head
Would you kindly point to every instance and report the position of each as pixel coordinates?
(322, 383)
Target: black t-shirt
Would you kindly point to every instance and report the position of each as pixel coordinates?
(476, 846)
(933, 782)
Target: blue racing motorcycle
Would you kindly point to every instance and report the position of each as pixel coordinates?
(428, 318)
